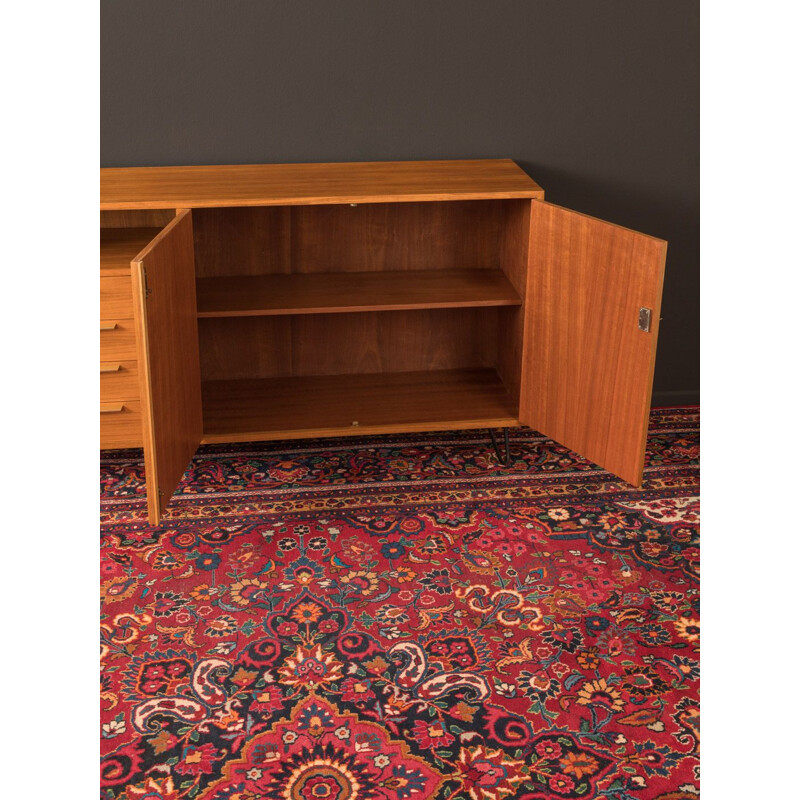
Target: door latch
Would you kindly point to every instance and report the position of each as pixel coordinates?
(645, 317)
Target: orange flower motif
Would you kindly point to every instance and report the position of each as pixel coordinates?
(599, 693)
(306, 613)
(245, 591)
(588, 659)
(203, 592)
(579, 764)
(404, 574)
(366, 582)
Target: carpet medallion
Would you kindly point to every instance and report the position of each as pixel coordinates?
(399, 618)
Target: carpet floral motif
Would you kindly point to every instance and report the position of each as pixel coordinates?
(401, 618)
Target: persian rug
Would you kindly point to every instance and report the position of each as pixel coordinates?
(400, 617)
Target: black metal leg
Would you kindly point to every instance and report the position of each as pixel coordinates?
(505, 458)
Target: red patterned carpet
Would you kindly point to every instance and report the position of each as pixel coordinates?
(400, 618)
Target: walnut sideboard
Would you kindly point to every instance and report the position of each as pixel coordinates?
(245, 303)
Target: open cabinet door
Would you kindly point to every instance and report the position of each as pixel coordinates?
(165, 308)
(591, 323)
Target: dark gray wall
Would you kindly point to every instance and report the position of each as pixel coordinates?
(598, 101)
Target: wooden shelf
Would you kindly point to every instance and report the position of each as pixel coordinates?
(328, 405)
(328, 293)
(119, 246)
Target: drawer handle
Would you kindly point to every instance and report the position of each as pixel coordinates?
(108, 326)
(110, 367)
(111, 408)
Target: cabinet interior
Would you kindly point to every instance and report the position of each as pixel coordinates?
(337, 319)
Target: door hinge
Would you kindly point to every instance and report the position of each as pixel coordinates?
(144, 277)
(645, 318)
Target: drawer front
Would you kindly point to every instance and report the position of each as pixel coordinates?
(116, 298)
(120, 425)
(119, 380)
(117, 340)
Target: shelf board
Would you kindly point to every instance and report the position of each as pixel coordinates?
(337, 292)
(119, 246)
(329, 405)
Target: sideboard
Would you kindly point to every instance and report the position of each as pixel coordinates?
(279, 301)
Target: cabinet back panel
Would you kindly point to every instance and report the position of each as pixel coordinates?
(137, 218)
(341, 344)
(396, 236)
(241, 241)
(341, 238)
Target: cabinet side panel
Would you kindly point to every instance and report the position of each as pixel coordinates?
(511, 321)
(587, 366)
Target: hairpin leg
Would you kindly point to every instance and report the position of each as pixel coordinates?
(505, 458)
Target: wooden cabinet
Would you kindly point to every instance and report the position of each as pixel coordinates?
(257, 302)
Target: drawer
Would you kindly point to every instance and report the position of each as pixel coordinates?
(117, 340)
(119, 380)
(120, 425)
(116, 298)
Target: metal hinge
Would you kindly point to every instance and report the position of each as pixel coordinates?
(645, 318)
(146, 287)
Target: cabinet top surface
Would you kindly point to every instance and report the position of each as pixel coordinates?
(312, 184)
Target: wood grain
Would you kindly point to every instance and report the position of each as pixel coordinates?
(121, 428)
(116, 297)
(118, 343)
(344, 344)
(296, 408)
(342, 238)
(588, 369)
(397, 236)
(155, 218)
(242, 241)
(304, 184)
(119, 380)
(169, 362)
(250, 295)
(119, 246)
(514, 244)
